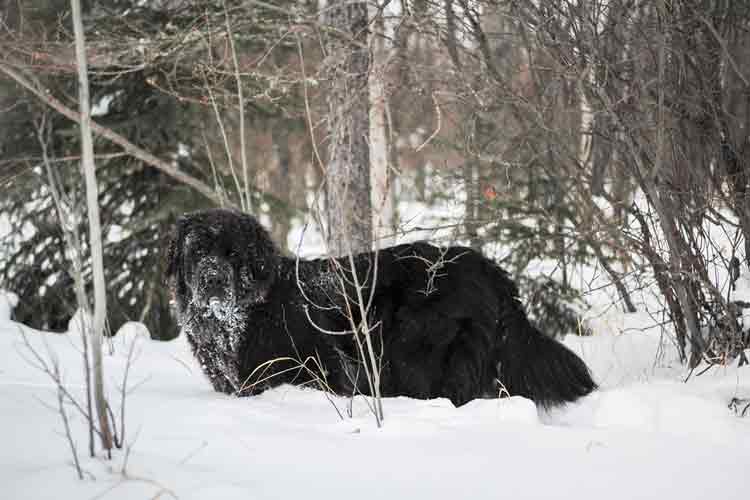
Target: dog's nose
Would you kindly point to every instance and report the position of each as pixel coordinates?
(214, 281)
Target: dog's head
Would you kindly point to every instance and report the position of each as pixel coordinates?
(219, 262)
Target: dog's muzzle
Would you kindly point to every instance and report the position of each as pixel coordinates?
(214, 281)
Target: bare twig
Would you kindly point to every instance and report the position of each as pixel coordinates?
(308, 113)
(225, 138)
(73, 240)
(66, 423)
(246, 202)
(438, 126)
(42, 364)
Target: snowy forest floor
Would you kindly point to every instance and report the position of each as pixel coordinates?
(644, 434)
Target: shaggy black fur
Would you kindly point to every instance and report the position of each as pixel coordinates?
(447, 321)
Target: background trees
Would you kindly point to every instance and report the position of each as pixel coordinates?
(579, 132)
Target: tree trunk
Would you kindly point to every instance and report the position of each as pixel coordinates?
(382, 189)
(348, 205)
(95, 239)
(282, 180)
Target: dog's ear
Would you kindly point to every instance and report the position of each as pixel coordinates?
(174, 251)
(261, 258)
(265, 251)
(262, 254)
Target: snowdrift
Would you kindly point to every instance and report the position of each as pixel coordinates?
(645, 434)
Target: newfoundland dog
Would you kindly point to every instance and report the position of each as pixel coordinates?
(444, 321)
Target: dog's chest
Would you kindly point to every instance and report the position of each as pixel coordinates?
(216, 348)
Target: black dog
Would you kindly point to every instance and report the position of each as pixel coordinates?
(445, 322)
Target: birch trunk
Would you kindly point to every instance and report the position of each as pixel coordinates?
(92, 202)
(380, 178)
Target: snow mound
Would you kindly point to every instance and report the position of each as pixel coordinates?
(628, 440)
(8, 302)
(131, 331)
(79, 322)
(517, 409)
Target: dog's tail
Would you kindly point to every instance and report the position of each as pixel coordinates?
(536, 366)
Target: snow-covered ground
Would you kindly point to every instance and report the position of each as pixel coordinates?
(645, 434)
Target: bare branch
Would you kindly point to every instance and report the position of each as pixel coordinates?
(130, 148)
